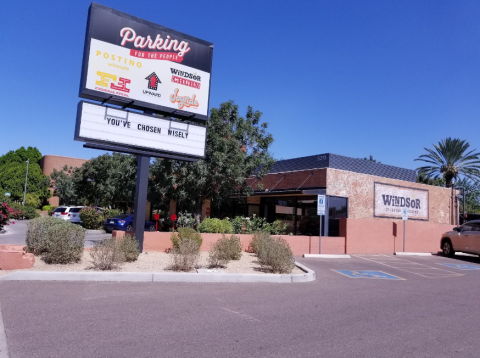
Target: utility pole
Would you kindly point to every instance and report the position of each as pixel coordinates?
(25, 188)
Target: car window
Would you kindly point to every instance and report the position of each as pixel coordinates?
(60, 210)
(121, 216)
(465, 228)
(75, 210)
(475, 227)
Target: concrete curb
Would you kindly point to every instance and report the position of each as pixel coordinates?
(96, 231)
(3, 338)
(307, 276)
(326, 256)
(413, 253)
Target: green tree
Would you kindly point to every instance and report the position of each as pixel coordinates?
(13, 168)
(422, 179)
(65, 185)
(108, 178)
(450, 158)
(472, 195)
(237, 148)
(370, 159)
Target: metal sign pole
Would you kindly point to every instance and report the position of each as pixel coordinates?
(140, 203)
(403, 235)
(404, 218)
(320, 237)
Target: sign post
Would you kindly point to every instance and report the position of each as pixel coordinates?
(320, 212)
(404, 218)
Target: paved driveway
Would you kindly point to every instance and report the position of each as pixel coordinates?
(429, 313)
(15, 234)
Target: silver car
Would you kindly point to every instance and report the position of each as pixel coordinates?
(465, 238)
(61, 212)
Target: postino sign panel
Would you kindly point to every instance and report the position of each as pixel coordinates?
(132, 62)
(390, 199)
(106, 125)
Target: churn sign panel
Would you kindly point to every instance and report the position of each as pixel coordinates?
(132, 62)
(390, 199)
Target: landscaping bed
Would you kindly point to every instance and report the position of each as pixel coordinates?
(156, 262)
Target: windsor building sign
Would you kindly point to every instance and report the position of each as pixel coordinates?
(132, 62)
(390, 199)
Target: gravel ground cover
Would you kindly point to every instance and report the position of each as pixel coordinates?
(156, 262)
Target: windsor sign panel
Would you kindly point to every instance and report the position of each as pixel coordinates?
(130, 61)
(107, 125)
(390, 199)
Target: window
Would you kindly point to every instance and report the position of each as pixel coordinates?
(75, 210)
(60, 210)
(464, 228)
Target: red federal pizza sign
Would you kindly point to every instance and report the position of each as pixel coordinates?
(135, 63)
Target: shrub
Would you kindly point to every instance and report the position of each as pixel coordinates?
(46, 208)
(274, 253)
(107, 254)
(246, 225)
(258, 237)
(51, 210)
(109, 213)
(29, 213)
(36, 233)
(4, 215)
(32, 200)
(16, 211)
(216, 226)
(224, 250)
(91, 218)
(128, 246)
(63, 243)
(185, 254)
(186, 233)
(186, 220)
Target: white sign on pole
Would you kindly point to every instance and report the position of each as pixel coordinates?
(321, 205)
(7, 194)
(404, 214)
(102, 124)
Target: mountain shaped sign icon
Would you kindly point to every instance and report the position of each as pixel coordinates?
(153, 81)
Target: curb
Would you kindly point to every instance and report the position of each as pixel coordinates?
(326, 256)
(413, 253)
(308, 276)
(96, 232)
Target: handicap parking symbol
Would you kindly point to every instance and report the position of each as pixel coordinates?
(465, 267)
(368, 274)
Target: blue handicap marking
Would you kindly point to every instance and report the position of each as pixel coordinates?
(463, 266)
(368, 274)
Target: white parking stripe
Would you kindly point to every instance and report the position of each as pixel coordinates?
(3, 338)
(409, 266)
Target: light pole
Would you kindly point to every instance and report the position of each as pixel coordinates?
(25, 188)
(96, 197)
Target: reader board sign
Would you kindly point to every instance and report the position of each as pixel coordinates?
(390, 199)
(132, 62)
(321, 205)
(107, 125)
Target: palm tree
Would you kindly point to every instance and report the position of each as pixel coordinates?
(450, 158)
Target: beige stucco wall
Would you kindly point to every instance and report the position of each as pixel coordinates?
(359, 188)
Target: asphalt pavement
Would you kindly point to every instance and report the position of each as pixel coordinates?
(15, 234)
(426, 309)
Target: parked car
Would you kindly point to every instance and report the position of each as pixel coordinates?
(62, 212)
(124, 222)
(465, 238)
(74, 215)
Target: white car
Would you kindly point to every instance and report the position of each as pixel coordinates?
(68, 213)
(465, 238)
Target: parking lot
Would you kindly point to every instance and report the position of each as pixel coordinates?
(428, 308)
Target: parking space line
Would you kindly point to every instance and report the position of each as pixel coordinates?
(368, 274)
(410, 266)
(465, 267)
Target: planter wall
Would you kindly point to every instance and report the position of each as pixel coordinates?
(13, 257)
(160, 241)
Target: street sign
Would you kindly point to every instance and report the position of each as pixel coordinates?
(321, 205)
(7, 194)
(404, 214)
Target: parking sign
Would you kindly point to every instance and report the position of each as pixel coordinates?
(404, 214)
(321, 205)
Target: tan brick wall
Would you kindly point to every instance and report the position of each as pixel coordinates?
(359, 190)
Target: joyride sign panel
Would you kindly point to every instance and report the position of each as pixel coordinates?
(132, 62)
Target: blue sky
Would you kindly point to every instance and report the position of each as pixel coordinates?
(355, 78)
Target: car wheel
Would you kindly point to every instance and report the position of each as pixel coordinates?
(447, 248)
(129, 228)
(151, 228)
